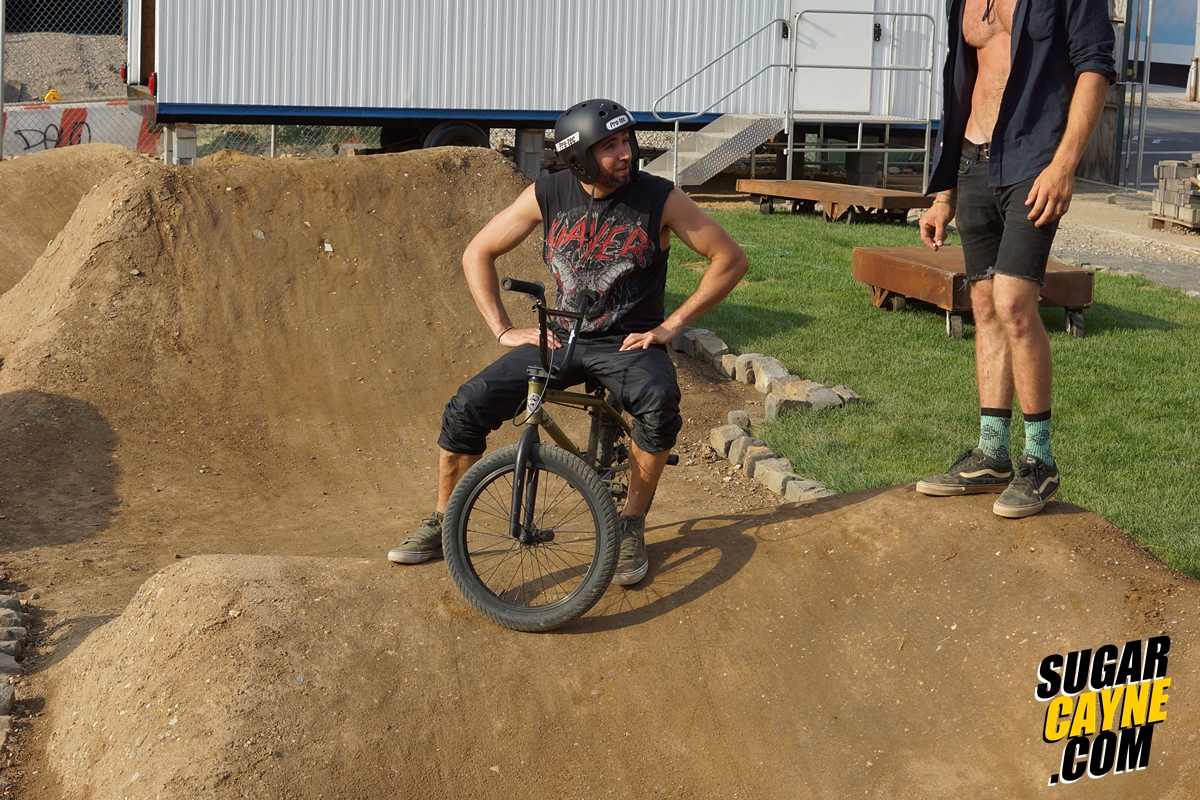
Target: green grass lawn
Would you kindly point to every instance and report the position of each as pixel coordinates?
(1126, 402)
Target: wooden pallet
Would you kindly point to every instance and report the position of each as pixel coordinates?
(840, 202)
(1160, 223)
(898, 273)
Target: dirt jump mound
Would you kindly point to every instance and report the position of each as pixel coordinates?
(863, 645)
(39, 192)
(262, 321)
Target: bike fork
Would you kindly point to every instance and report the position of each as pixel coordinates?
(525, 479)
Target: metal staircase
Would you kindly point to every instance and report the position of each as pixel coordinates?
(703, 154)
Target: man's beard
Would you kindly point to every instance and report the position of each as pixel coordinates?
(609, 179)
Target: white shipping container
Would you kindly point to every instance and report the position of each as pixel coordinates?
(524, 60)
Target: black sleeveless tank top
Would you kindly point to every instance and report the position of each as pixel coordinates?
(610, 246)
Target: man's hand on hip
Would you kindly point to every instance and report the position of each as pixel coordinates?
(1051, 194)
(641, 341)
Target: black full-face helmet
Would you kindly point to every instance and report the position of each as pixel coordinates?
(584, 124)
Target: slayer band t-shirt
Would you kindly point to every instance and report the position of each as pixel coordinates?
(608, 245)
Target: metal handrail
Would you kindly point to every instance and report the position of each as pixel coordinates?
(930, 68)
(789, 101)
(654, 109)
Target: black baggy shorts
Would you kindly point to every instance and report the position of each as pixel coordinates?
(644, 380)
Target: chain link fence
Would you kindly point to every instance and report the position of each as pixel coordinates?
(62, 86)
(283, 141)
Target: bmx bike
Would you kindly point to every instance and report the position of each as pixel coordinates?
(531, 532)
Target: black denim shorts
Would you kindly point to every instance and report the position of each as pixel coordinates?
(644, 380)
(997, 235)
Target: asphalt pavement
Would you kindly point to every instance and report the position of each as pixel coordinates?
(1172, 134)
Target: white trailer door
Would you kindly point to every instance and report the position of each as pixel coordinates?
(834, 39)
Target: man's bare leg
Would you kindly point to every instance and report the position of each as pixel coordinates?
(1012, 356)
(1015, 304)
(645, 470)
(451, 468)
(426, 542)
(1013, 309)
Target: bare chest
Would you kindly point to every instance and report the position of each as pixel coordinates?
(982, 25)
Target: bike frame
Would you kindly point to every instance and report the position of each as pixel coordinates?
(525, 479)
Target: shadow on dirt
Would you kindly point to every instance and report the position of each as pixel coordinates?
(706, 553)
(57, 477)
(63, 636)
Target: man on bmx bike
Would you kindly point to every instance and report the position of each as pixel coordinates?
(606, 229)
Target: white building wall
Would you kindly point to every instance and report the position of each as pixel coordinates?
(532, 55)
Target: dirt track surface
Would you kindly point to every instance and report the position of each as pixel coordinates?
(234, 374)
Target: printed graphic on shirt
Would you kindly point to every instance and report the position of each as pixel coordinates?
(605, 253)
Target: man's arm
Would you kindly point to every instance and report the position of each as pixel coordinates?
(1052, 191)
(505, 231)
(727, 265)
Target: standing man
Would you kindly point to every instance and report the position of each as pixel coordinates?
(1024, 85)
(606, 228)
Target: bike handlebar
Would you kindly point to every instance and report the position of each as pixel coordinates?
(535, 289)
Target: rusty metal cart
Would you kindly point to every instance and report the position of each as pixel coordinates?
(898, 273)
(840, 202)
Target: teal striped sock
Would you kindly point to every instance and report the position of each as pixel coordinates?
(1037, 437)
(995, 425)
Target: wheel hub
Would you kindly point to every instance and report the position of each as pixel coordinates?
(533, 537)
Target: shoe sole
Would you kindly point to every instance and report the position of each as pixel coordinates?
(630, 578)
(404, 557)
(1017, 512)
(944, 490)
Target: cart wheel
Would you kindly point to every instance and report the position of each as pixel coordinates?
(851, 216)
(1075, 323)
(954, 325)
(765, 206)
(826, 215)
(797, 206)
(896, 302)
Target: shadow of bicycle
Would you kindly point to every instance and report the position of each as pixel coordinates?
(700, 556)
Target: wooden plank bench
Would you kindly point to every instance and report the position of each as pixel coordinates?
(841, 202)
(897, 273)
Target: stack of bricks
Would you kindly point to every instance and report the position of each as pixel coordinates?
(1177, 197)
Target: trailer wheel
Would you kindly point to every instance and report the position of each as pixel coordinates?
(457, 134)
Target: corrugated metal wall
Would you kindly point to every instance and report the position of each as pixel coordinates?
(906, 42)
(463, 54)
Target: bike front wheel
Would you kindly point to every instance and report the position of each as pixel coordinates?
(554, 565)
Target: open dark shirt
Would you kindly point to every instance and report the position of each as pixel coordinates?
(1053, 42)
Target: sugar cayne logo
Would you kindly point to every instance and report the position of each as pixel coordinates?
(1105, 704)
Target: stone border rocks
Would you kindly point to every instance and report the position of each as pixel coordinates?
(14, 633)
(734, 442)
(784, 392)
(764, 373)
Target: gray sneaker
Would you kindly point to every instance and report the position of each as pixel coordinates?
(632, 562)
(424, 544)
(1035, 484)
(972, 473)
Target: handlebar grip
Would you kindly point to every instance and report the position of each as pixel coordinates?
(535, 289)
